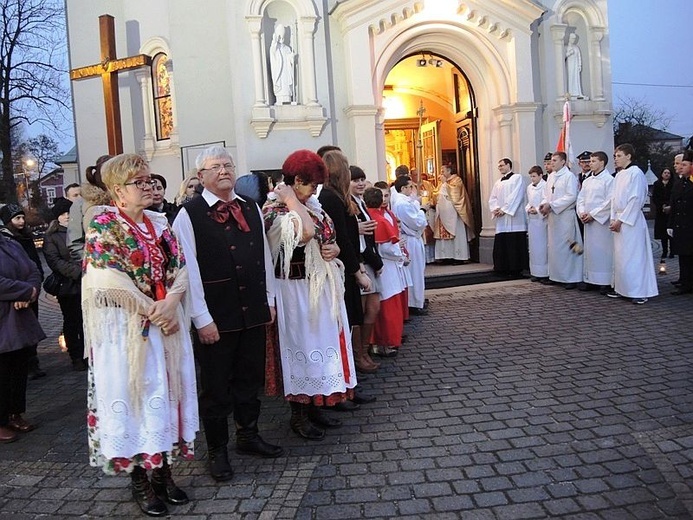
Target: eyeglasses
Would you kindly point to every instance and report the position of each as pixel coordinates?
(216, 168)
(141, 184)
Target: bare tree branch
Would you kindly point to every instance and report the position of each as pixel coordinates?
(33, 76)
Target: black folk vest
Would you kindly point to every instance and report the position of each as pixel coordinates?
(232, 266)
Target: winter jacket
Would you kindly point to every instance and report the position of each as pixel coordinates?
(58, 259)
(18, 279)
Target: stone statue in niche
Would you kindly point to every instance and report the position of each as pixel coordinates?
(573, 62)
(282, 65)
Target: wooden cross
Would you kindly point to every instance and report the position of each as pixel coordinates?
(108, 70)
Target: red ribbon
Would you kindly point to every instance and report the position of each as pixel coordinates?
(223, 211)
(345, 356)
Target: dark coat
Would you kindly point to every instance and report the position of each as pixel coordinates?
(27, 243)
(370, 255)
(346, 229)
(169, 209)
(18, 278)
(681, 217)
(58, 259)
(661, 195)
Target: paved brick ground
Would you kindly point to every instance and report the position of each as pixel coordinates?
(509, 401)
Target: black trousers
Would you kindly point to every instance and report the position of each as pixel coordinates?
(14, 368)
(686, 271)
(665, 245)
(232, 373)
(510, 252)
(71, 307)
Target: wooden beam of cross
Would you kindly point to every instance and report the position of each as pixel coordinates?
(108, 69)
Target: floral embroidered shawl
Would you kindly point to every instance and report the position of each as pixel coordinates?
(117, 275)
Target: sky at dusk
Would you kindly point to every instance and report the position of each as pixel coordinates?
(651, 42)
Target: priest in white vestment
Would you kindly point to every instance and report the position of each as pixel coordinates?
(565, 242)
(412, 224)
(506, 203)
(594, 210)
(454, 224)
(634, 273)
(537, 227)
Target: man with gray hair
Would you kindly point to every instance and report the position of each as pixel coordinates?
(232, 298)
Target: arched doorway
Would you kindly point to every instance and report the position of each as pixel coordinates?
(430, 116)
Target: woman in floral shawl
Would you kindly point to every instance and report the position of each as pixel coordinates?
(317, 362)
(141, 395)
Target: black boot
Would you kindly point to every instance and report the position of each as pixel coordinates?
(217, 435)
(301, 424)
(320, 419)
(219, 466)
(144, 495)
(164, 486)
(248, 441)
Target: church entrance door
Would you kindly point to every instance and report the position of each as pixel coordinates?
(430, 120)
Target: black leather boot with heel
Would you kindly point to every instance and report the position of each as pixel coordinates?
(144, 494)
(164, 486)
(302, 425)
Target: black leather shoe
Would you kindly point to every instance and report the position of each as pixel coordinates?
(219, 466)
(259, 447)
(36, 373)
(363, 397)
(415, 311)
(546, 281)
(144, 495)
(570, 286)
(346, 406)
(320, 419)
(164, 486)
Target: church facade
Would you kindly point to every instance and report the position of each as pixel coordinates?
(415, 82)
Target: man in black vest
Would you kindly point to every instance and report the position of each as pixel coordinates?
(222, 236)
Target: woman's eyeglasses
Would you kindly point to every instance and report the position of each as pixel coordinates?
(141, 184)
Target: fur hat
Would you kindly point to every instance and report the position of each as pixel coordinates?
(60, 205)
(9, 211)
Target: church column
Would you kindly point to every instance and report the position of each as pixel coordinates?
(254, 24)
(558, 35)
(306, 62)
(144, 79)
(596, 36)
(366, 129)
(174, 113)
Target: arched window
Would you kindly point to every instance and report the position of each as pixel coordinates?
(163, 107)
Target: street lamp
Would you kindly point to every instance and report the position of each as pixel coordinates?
(27, 164)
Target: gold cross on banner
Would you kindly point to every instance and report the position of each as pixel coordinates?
(108, 70)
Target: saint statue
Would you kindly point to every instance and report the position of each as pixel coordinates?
(573, 62)
(282, 67)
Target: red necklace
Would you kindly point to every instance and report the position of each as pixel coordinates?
(152, 249)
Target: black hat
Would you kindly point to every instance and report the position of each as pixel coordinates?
(547, 157)
(584, 156)
(160, 178)
(60, 205)
(9, 211)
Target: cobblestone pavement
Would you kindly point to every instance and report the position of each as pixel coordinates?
(510, 401)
